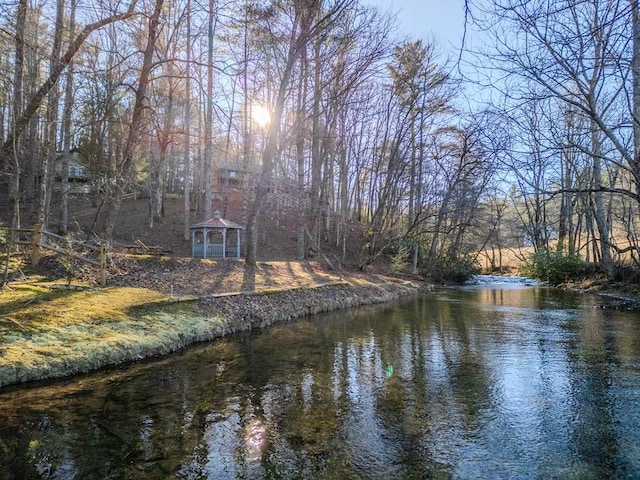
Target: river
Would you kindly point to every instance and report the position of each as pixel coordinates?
(496, 380)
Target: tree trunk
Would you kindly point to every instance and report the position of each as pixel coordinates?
(137, 117)
(208, 126)
(48, 165)
(302, 204)
(270, 150)
(600, 212)
(315, 199)
(10, 154)
(66, 127)
(187, 128)
(301, 250)
(635, 22)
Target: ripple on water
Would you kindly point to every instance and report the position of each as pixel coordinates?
(481, 386)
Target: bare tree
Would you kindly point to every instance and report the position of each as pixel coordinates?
(187, 128)
(306, 24)
(136, 125)
(67, 129)
(50, 154)
(575, 52)
(22, 115)
(9, 155)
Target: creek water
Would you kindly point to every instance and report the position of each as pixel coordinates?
(494, 380)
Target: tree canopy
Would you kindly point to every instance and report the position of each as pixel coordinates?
(158, 98)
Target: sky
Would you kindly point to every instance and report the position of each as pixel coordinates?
(442, 20)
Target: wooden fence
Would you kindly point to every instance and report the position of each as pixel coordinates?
(38, 239)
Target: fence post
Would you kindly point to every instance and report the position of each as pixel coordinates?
(35, 243)
(103, 266)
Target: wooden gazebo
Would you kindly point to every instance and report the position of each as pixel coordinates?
(210, 239)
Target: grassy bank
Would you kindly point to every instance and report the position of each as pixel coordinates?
(48, 331)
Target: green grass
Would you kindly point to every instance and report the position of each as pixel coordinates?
(51, 333)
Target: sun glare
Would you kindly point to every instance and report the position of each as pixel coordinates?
(261, 115)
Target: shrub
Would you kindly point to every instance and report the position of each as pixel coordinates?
(400, 258)
(67, 262)
(449, 269)
(626, 274)
(554, 267)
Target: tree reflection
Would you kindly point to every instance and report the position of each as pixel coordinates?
(459, 383)
(593, 418)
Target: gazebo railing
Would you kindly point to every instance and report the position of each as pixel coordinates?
(215, 251)
(232, 252)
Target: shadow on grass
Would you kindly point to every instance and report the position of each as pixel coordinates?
(312, 273)
(319, 276)
(215, 284)
(34, 298)
(296, 277)
(270, 275)
(249, 279)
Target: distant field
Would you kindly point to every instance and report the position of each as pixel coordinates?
(507, 260)
(511, 258)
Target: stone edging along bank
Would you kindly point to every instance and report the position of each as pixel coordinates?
(208, 318)
(264, 309)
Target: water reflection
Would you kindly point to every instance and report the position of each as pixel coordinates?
(463, 383)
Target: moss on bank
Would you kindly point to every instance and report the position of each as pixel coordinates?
(54, 334)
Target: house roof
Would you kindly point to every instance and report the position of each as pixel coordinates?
(217, 222)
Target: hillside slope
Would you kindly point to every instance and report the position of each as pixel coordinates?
(276, 241)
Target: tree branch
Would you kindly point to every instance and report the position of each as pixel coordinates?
(22, 120)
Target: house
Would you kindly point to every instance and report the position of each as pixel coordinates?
(77, 178)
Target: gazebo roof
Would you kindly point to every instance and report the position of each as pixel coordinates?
(217, 222)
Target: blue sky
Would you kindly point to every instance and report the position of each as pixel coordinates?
(442, 20)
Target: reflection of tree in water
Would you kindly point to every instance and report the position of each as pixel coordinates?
(413, 389)
(152, 415)
(439, 386)
(301, 417)
(461, 359)
(592, 352)
(402, 401)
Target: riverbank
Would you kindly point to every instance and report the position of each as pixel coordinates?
(155, 307)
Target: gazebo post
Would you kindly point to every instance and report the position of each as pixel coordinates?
(224, 243)
(237, 243)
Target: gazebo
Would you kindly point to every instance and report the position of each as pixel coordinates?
(209, 239)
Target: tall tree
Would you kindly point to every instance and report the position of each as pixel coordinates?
(208, 127)
(187, 129)
(423, 90)
(67, 129)
(635, 92)
(9, 156)
(305, 26)
(49, 158)
(137, 123)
